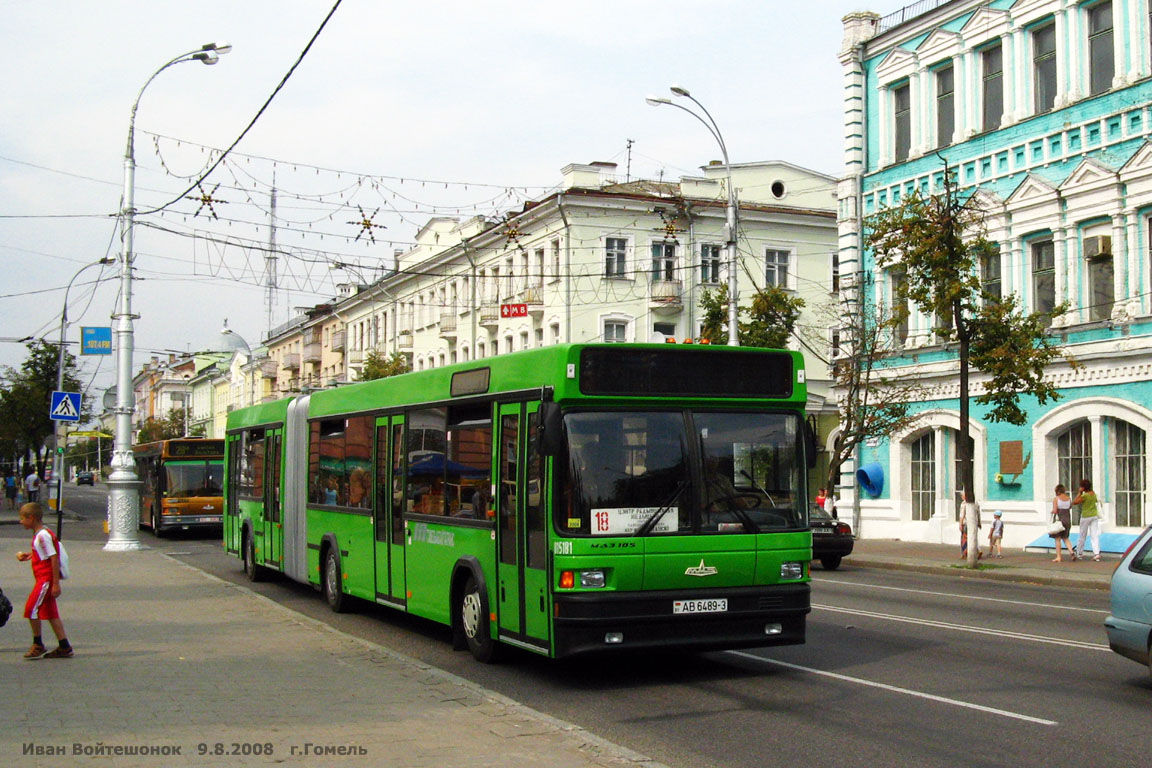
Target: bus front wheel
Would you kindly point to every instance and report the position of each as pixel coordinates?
(333, 594)
(474, 622)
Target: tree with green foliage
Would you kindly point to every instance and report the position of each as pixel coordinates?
(771, 317)
(167, 428)
(938, 243)
(376, 366)
(25, 398)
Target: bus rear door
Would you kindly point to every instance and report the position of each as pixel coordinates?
(273, 521)
(388, 511)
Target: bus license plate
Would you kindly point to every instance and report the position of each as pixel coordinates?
(699, 606)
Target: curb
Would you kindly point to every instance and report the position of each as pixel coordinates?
(1015, 575)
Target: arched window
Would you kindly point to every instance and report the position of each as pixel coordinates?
(1128, 452)
(1074, 451)
(923, 477)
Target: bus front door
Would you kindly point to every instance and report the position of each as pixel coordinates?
(522, 577)
(389, 511)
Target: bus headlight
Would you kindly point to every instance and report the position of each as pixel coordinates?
(592, 579)
(791, 570)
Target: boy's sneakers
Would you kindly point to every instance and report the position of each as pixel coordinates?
(37, 651)
(59, 653)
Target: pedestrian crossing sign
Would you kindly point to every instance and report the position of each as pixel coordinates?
(65, 406)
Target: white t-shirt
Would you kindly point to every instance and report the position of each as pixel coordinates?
(32, 482)
(42, 543)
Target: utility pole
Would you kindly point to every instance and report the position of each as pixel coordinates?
(270, 264)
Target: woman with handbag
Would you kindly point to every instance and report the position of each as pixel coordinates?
(1061, 521)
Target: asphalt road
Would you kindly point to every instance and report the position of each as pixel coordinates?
(900, 669)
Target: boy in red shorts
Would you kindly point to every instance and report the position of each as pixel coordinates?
(41, 603)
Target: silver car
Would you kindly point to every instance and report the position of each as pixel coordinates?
(1130, 623)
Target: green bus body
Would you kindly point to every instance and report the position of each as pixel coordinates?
(566, 500)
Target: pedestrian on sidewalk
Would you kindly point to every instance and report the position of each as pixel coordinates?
(1089, 519)
(10, 489)
(996, 535)
(41, 604)
(1062, 512)
(32, 486)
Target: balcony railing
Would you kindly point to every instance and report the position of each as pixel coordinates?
(291, 361)
(666, 297)
(448, 325)
(404, 340)
(269, 369)
(339, 339)
(312, 352)
(490, 315)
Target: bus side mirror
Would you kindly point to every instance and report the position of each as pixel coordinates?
(810, 443)
(551, 428)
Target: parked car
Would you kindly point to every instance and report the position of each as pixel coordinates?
(1129, 626)
(85, 478)
(832, 539)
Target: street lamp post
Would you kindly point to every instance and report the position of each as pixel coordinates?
(58, 462)
(714, 129)
(123, 499)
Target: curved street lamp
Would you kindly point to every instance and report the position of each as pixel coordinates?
(123, 500)
(58, 461)
(730, 246)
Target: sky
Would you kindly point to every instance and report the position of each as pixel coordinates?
(398, 112)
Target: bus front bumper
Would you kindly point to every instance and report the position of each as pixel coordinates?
(617, 621)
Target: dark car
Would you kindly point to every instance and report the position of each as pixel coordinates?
(85, 478)
(832, 539)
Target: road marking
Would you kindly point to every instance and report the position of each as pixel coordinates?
(966, 628)
(960, 597)
(898, 689)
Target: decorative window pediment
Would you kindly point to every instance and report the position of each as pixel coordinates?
(1031, 191)
(986, 24)
(1139, 165)
(1089, 174)
(939, 45)
(898, 64)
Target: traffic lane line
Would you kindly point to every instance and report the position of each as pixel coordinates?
(839, 582)
(897, 689)
(965, 628)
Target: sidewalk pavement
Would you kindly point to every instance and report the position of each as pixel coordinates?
(169, 658)
(1016, 565)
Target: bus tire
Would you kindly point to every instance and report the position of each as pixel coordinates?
(473, 612)
(831, 562)
(156, 525)
(333, 594)
(253, 571)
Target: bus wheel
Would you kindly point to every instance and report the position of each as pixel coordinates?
(251, 570)
(474, 621)
(156, 525)
(831, 563)
(332, 592)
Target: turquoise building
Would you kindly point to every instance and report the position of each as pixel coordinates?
(1042, 107)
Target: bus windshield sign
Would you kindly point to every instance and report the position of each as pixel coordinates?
(679, 372)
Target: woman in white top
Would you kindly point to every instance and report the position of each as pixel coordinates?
(1062, 511)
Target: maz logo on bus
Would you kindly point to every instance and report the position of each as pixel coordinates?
(701, 570)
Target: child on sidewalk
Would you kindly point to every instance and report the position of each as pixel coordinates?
(46, 570)
(996, 535)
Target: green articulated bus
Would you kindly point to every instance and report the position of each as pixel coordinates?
(565, 500)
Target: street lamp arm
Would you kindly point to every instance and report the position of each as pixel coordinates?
(712, 130)
(714, 127)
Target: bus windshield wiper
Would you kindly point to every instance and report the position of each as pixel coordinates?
(757, 487)
(650, 523)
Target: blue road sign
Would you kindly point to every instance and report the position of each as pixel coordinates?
(95, 340)
(65, 406)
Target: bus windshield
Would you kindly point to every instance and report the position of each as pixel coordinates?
(681, 472)
(194, 478)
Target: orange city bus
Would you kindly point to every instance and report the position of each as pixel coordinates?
(181, 484)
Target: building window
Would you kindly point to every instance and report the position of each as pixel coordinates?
(902, 99)
(1102, 290)
(776, 268)
(1101, 61)
(538, 278)
(667, 330)
(990, 275)
(1074, 458)
(554, 329)
(835, 272)
(1128, 449)
(1044, 67)
(663, 261)
(924, 477)
(899, 306)
(555, 259)
(945, 106)
(539, 337)
(834, 344)
(615, 257)
(992, 61)
(709, 263)
(615, 331)
(1044, 278)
